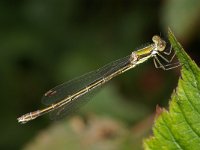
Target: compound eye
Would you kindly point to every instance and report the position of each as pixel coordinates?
(156, 39)
(162, 46)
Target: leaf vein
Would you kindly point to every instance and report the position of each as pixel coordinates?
(190, 125)
(186, 120)
(190, 102)
(174, 140)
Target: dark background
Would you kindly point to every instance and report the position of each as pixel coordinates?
(44, 43)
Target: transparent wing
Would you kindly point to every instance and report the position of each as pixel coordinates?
(72, 106)
(60, 92)
(69, 88)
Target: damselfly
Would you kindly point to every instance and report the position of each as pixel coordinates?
(63, 97)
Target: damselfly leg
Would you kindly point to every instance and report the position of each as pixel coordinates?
(169, 64)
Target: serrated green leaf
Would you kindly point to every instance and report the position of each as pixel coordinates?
(179, 128)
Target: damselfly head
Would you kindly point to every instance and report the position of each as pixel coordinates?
(159, 43)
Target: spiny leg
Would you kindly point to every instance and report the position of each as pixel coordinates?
(167, 65)
(158, 64)
(155, 63)
(178, 65)
(170, 50)
(168, 53)
(173, 65)
(165, 59)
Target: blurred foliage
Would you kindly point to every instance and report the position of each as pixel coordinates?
(99, 133)
(44, 43)
(96, 133)
(183, 16)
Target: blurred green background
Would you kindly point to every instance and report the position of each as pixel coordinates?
(44, 43)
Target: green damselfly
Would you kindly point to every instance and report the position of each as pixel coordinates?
(63, 97)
